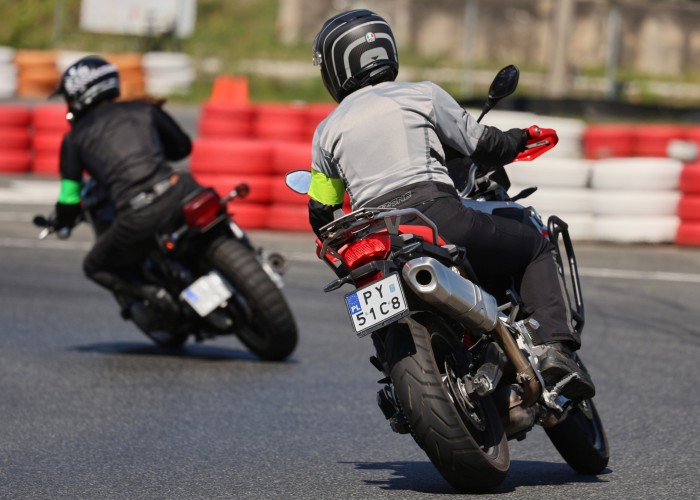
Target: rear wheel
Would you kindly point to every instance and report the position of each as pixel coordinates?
(271, 332)
(462, 435)
(580, 439)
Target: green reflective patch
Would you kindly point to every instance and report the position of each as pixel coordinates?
(70, 192)
(326, 190)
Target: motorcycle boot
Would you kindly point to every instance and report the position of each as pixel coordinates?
(557, 362)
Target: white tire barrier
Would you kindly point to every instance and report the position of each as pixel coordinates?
(636, 199)
(558, 201)
(635, 229)
(635, 203)
(168, 72)
(551, 172)
(8, 73)
(650, 174)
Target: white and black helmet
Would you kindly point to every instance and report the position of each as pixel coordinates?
(355, 49)
(86, 82)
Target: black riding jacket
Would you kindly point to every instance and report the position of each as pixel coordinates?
(124, 146)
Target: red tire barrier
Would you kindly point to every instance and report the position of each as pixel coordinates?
(608, 141)
(260, 186)
(283, 195)
(15, 161)
(315, 114)
(14, 138)
(50, 117)
(690, 179)
(290, 156)
(226, 120)
(231, 156)
(689, 208)
(216, 127)
(688, 234)
(249, 215)
(652, 140)
(47, 141)
(45, 164)
(284, 217)
(280, 121)
(15, 116)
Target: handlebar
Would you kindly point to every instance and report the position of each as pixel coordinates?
(48, 228)
(541, 140)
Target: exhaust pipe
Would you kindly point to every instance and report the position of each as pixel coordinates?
(452, 294)
(473, 308)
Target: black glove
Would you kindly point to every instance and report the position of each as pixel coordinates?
(65, 218)
(521, 136)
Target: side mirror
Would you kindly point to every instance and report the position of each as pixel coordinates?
(298, 181)
(503, 85)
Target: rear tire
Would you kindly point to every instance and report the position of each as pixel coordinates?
(272, 332)
(469, 449)
(580, 439)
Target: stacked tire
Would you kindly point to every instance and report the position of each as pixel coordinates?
(288, 211)
(258, 144)
(223, 163)
(49, 125)
(636, 199)
(15, 139)
(37, 73)
(689, 206)
(167, 73)
(8, 73)
(562, 190)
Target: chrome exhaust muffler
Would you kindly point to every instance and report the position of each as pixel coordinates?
(452, 294)
(473, 308)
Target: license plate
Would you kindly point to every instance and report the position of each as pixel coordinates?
(207, 293)
(376, 305)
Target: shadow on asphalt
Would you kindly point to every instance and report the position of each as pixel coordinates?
(188, 351)
(423, 477)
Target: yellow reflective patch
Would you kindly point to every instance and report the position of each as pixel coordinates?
(326, 190)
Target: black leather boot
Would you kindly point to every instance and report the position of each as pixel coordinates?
(556, 362)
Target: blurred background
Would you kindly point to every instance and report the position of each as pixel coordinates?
(637, 51)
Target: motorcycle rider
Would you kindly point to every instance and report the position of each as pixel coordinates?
(126, 147)
(385, 146)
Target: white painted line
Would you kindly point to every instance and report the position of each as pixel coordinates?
(48, 244)
(592, 272)
(602, 272)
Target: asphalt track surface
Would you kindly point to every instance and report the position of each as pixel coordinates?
(89, 408)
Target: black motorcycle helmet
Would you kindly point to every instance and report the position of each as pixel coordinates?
(355, 49)
(87, 82)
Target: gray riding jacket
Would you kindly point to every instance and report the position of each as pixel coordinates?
(390, 135)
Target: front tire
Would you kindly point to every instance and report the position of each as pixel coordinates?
(271, 333)
(465, 442)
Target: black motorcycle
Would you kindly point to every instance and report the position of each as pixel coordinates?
(460, 368)
(219, 283)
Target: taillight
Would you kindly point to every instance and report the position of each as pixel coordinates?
(374, 247)
(203, 209)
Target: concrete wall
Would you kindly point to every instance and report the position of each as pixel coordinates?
(657, 38)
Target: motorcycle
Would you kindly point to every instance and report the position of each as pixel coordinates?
(459, 364)
(219, 283)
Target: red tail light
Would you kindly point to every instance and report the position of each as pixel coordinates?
(203, 209)
(374, 247)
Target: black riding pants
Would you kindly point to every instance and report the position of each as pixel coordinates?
(127, 242)
(498, 247)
